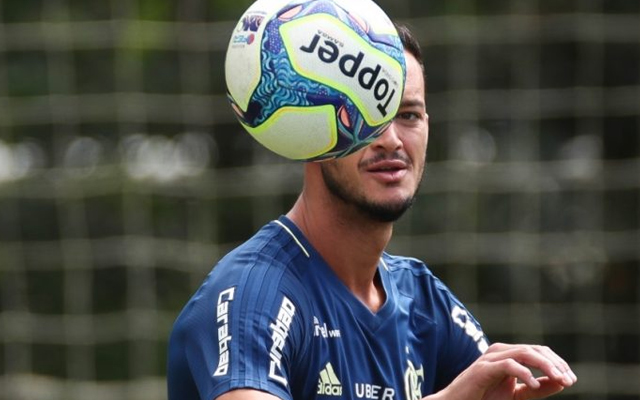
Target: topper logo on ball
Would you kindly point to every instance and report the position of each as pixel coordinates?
(326, 50)
(349, 64)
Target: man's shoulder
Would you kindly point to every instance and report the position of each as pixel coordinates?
(400, 265)
(265, 264)
(271, 247)
(413, 277)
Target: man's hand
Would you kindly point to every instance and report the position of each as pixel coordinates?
(504, 372)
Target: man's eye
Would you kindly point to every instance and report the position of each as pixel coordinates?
(408, 116)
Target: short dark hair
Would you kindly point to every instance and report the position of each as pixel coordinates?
(410, 42)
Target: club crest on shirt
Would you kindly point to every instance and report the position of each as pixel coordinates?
(413, 379)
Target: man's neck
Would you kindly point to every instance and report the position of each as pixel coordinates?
(349, 242)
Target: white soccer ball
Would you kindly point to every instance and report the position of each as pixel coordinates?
(316, 79)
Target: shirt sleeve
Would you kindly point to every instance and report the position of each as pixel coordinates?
(461, 337)
(242, 330)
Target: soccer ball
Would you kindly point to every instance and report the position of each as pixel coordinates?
(315, 79)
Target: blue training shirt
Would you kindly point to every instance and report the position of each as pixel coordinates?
(273, 316)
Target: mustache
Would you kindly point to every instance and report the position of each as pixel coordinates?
(396, 155)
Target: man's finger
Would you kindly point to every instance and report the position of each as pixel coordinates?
(547, 388)
(538, 357)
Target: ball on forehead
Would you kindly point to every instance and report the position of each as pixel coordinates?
(317, 79)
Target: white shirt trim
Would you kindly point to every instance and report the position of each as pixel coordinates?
(306, 253)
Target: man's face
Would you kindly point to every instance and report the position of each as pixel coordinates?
(382, 179)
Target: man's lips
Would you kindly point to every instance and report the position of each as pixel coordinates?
(388, 171)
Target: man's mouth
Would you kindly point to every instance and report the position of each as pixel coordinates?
(388, 171)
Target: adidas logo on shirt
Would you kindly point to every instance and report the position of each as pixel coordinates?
(328, 384)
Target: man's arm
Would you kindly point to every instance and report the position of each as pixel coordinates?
(247, 394)
(504, 372)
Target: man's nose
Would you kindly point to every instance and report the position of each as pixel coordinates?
(389, 139)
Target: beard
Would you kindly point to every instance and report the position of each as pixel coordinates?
(390, 211)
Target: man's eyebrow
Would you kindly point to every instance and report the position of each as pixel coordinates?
(413, 103)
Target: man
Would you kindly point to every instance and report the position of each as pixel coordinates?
(312, 307)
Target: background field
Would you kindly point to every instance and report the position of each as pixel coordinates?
(124, 177)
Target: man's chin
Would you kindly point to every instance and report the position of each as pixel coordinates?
(389, 202)
(387, 212)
